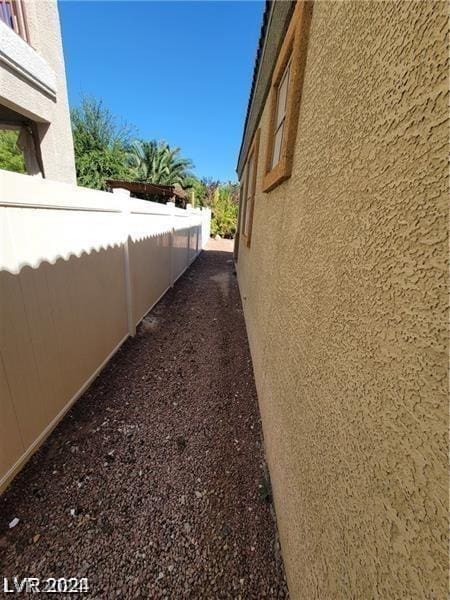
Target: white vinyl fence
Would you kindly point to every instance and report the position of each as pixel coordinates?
(79, 269)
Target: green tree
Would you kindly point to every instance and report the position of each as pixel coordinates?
(199, 195)
(211, 187)
(156, 162)
(222, 199)
(11, 157)
(100, 144)
(224, 208)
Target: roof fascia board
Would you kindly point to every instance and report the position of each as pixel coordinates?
(274, 26)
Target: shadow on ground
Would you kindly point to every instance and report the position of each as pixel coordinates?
(150, 486)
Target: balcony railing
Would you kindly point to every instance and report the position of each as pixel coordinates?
(12, 13)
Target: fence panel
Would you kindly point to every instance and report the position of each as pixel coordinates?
(149, 237)
(78, 270)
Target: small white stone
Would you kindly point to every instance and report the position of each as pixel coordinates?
(14, 522)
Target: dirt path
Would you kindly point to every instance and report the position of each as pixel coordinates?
(150, 485)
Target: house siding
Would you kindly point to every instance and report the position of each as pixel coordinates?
(344, 290)
(36, 86)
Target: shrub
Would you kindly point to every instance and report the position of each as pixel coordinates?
(224, 211)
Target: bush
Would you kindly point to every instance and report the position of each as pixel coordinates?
(100, 144)
(224, 211)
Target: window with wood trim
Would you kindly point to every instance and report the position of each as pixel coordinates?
(249, 189)
(280, 116)
(249, 192)
(285, 96)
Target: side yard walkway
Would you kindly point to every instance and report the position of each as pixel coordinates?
(150, 485)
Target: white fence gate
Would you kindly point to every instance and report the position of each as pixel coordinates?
(79, 269)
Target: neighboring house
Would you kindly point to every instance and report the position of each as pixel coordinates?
(341, 262)
(33, 94)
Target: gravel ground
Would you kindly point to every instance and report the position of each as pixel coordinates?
(151, 485)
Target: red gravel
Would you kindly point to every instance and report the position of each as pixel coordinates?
(150, 485)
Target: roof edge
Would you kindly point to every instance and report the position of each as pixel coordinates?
(276, 17)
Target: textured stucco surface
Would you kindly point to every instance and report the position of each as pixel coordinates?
(345, 298)
(50, 112)
(24, 60)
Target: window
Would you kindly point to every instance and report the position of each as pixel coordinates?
(249, 187)
(19, 148)
(280, 116)
(285, 96)
(12, 13)
(248, 195)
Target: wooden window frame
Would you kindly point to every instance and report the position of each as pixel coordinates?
(293, 50)
(280, 125)
(249, 199)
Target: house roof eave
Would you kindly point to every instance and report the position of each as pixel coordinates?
(276, 18)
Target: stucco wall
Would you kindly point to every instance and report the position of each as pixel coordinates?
(33, 83)
(344, 293)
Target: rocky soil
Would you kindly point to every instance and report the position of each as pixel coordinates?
(153, 484)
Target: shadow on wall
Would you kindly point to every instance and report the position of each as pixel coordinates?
(62, 321)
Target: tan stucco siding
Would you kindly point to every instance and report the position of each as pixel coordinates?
(345, 293)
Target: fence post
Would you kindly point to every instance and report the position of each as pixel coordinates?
(125, 196)
(189, 211)
(199, 224)
(205, 225)
(171, 210)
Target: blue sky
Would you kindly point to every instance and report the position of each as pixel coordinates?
(179, 71)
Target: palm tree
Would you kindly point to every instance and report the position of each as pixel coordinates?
(157, 162)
